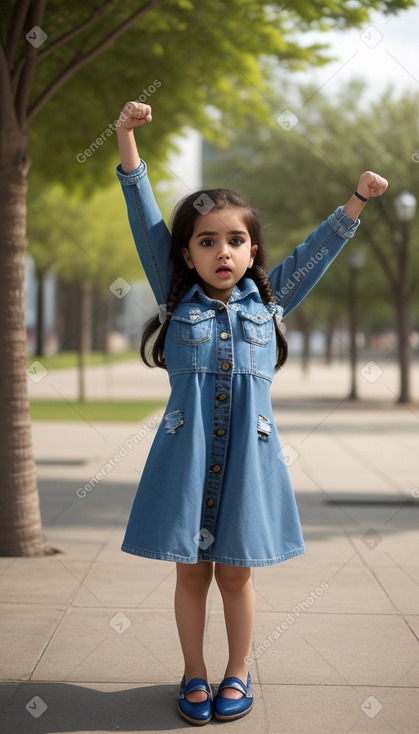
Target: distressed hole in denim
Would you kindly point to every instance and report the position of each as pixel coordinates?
(264, 427)
(173, 421)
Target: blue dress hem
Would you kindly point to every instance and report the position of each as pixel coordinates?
(245, 562)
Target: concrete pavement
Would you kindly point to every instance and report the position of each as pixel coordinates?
(89, 642)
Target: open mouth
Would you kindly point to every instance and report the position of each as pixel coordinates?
(223, 269)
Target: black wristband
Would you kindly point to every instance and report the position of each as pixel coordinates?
(359, 196)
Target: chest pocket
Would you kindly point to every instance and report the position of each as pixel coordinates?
(194, 329)
(257, 328)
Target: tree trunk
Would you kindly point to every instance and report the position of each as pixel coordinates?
(20, 519)
(304, 324)
(101, 321)
(353, 328)
(329, 342)
(403, 317)
(40, 281)
(85, 292)
(332, 323)
(403, 330)
(68, 321)
(305, 357)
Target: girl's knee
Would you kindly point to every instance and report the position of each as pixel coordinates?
(231, 578)
(195, 576)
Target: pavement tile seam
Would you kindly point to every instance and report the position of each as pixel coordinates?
(47, 645)
(65, 614)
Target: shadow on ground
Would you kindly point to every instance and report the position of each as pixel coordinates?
(65, 707)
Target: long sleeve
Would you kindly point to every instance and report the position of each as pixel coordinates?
(151, 236)
(294, 278)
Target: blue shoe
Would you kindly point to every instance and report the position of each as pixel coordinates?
(198, 713)
(228, 709)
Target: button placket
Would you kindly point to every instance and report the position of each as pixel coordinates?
(222, 407)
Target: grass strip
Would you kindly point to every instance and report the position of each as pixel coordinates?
(92, 410)
(64, 360)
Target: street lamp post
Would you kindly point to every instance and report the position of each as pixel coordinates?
(405, 206)
(355, 263)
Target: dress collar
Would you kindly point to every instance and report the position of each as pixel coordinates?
(245, 287)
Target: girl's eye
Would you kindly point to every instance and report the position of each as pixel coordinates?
(236, 241)
(207, 242)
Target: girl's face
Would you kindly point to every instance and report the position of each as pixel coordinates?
(220, 250)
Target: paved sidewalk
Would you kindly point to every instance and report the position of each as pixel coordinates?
(89, 642)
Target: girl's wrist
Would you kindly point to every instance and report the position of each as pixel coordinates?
(124, 131)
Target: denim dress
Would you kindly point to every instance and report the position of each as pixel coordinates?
(215, 486)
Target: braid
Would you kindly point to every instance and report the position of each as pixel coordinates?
(181, 282)
(263, 283)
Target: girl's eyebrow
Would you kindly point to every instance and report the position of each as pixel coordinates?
(233, 231)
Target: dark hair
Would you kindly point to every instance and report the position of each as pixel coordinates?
(182, 226)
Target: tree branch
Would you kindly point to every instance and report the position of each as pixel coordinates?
(95, 16)
(17, 25)
(82, 59)
(31, 59)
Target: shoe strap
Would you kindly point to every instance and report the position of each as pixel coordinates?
(233, 682)
(197, 684)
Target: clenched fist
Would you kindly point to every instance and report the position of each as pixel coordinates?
(371, 185)
(134, 114)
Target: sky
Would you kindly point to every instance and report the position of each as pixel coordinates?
(383, 51)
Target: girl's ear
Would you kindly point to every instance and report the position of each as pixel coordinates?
(253, 251)
(187, 257)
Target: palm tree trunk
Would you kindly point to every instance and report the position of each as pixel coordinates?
(20, 519)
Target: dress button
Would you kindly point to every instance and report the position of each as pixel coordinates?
(225, 366)
(221, 432)
(216, 468)
(224, 335)
(210, 503)
(221, 397)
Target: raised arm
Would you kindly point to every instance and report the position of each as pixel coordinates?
(294, 278)
(151, 236)
(133, 115)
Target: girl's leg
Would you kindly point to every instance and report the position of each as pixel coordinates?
(193, 581)
(235, 584)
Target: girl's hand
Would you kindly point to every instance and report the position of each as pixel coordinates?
(134, 114)
(371, 185)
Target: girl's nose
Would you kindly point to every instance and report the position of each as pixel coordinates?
(223, 250)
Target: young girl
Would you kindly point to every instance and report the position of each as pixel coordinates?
(215, 495)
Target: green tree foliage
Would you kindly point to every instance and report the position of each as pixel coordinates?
(204, 56)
